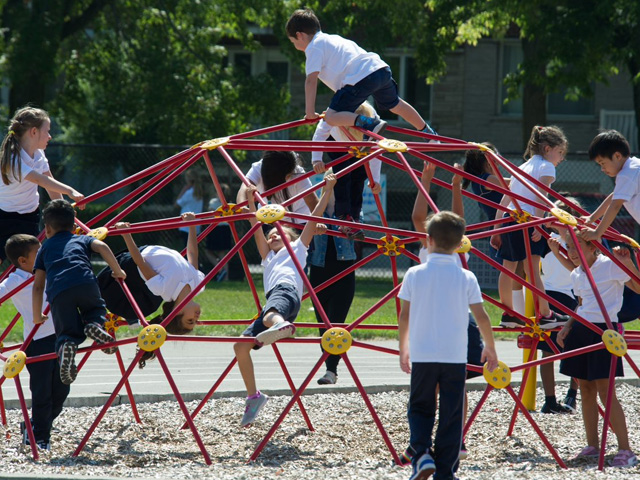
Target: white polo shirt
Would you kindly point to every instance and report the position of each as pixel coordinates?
(254, 175)
(339, 61)
(440, 293)
(22, 302)
(279, 267)
(610, 280)
(537, 167)
(173, 272)
(555, 276)
(628, 187)
(22, 196)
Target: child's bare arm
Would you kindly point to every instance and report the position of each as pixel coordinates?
(192, 241)
(614, 207)
(624, 256)
(403, 336)
(600, 210)
(105, 252)
(457, 206)
(310, 228)
(554, 245)
(420, 206)
(484, 324)
(310, 89)
(261, 240)
(37, 295)
(147, 272)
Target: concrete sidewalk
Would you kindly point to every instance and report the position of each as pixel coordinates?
(195, 367)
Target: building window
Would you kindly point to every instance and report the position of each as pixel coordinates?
(556, 103)
(265, 60)
(411, 87)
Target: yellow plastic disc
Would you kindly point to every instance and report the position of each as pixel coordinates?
(358, 152)
(393, 145)
(215, 143)
(336, 341)
(498, 378)
(270, 213)
(14, 364)
(151, 337)
(465, 245)
(230, 210)
(564, 217)
(631, 241)
(522, 217)
(98, 233)
(615, 343)
(391, 248)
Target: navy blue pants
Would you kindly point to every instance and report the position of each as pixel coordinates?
(349, 188)
(74, 308)
(48, 393)
(425, 377)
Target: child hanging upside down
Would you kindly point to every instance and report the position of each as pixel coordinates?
(283, 288)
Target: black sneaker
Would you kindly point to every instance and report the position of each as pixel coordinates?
(67, 357)
(555, 408)
(97, 333)
(553, 320)
(352, 233)
(570, 403)
(511, 321)
(42, 445)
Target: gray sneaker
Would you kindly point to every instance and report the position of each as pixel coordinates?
(329, 378)
(67, 359)
(252, 409)
(277, 332)
(97, 333)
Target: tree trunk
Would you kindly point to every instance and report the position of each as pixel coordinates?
(534, 98)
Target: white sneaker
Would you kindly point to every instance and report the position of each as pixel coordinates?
(329, 378)
(277, 332)
(252, 409)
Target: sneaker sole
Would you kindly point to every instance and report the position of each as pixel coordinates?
(381, 127)
(550, 325)
(97, 334)
(424, 474)
(271, 336)
(511, 325)
(68, 369)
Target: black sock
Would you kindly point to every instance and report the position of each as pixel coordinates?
(550, 400)
(572, 392)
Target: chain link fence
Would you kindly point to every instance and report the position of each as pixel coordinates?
(90, 168)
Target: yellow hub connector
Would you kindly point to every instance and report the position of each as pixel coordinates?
(336, 341)
(151, 337)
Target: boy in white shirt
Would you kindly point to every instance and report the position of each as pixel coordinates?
(48, 393)
(283, 288)
(353, 73)
(436, 297)
(610, 150)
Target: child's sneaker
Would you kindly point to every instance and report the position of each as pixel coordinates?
(277, 332)
(329, 378)
(423, 468)
(42, 445)
(351, 232)
(511, 321)
(67, 357)
(253, 405)
(463, 452)
(554, 408)
(624, 459)
(570, 403)
(97, 333)
(553, 320)
(587, 452)
(374, 125)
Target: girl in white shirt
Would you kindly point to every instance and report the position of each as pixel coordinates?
(24, 167)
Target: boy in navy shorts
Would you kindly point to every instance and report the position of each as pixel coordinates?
(353, 73)
(77, 309)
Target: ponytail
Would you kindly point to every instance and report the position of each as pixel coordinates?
(540, 136)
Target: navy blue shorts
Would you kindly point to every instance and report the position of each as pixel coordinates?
(474, 347)
(379, 84)
(588, 366)
(513, 248)
(567, 301)
(282, 298)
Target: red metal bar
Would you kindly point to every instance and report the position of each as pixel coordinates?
(25, 415)
(476, 410)
(607, 410)
(285, 370)
(523, 385)
(127, 386)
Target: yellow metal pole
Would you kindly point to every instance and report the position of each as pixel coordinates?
(529, 394)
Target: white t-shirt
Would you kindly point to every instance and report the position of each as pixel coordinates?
(537, 167)
(22, 302)
(555, 276)
(610, 280)
(423, 256)
(299, 206)
(339, 61)
(173, 272)
(323, 130)
(628, 187)
(440, 293)
(279, 267)
(189, 203)
(22, 196)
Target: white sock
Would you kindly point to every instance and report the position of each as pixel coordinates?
(518, 301)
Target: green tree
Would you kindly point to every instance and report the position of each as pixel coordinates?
(32, 34)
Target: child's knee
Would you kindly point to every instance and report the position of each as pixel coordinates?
(242, 348)
(271, 317)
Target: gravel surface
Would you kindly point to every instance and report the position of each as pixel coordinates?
(346, 443)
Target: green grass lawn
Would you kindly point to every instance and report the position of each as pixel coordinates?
(233, 301)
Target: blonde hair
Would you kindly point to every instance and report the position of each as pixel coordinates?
(542, 136)
(367, 110)
(23, 120)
